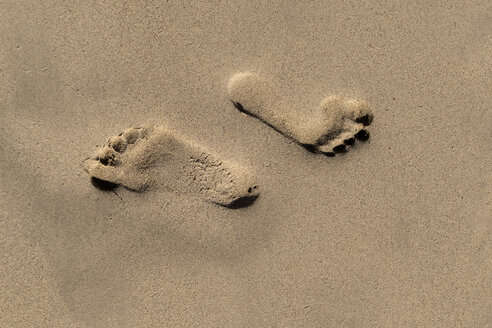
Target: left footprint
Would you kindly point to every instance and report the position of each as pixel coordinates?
(155, 158)
(330, 129)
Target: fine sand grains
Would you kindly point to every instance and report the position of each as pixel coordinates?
(156, 158)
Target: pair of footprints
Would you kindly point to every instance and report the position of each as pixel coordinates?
(156, 157)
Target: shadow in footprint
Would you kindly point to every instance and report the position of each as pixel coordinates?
(340, 149)
(362, 135)
(241, 202)
(365, 120)
(103, 185)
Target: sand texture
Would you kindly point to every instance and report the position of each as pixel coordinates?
(245, 164)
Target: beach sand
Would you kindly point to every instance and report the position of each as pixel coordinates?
(396, 232)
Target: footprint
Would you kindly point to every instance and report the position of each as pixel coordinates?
(156, 158)
(331, 128)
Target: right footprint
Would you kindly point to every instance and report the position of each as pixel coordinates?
(331, 129)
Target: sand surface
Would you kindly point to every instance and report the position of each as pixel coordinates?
(397, 232)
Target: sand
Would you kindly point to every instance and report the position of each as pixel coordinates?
(395, 232)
